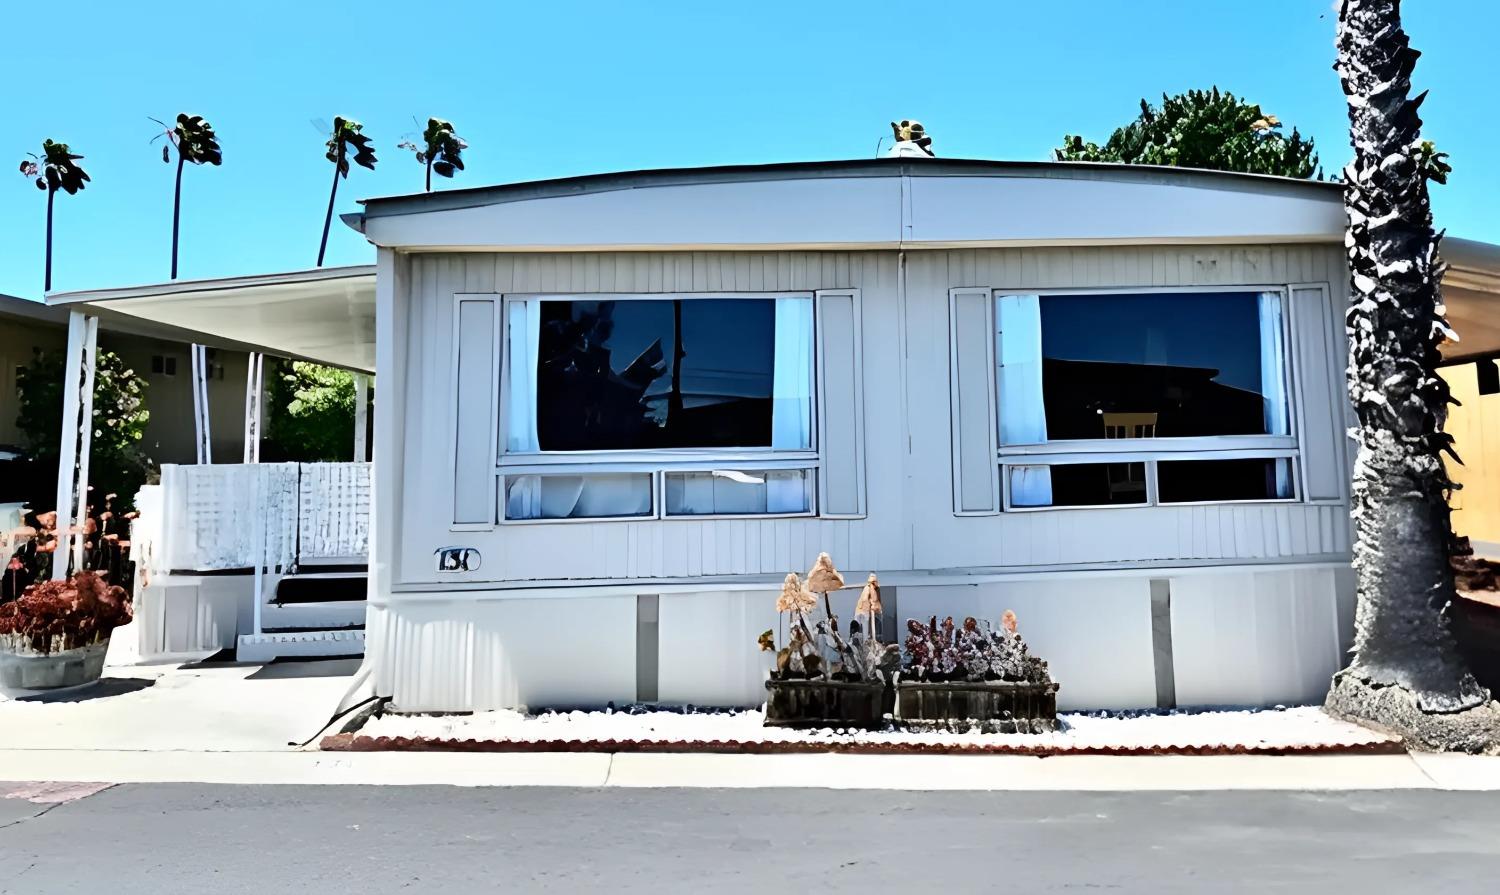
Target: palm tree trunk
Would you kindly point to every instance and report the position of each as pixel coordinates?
(47, 283)
(332, 193)
(1407, 673)
(176, 212)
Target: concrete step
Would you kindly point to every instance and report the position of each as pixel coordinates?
(304, 616)
(303, 644)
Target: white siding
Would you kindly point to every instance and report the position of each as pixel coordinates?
(1258, 639)
(529, 653)
(909, 521)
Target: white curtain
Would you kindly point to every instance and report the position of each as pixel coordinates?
(1023, 416)
(791, 399)
(1273, 380)
(522, 347)
(792, 378)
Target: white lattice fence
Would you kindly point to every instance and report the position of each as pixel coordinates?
(334, 521)
(229, 516)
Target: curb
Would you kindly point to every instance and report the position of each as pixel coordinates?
(349, 742)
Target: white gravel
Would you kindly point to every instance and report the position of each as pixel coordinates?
(1257, 729)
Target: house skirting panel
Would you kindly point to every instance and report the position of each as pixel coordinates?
(183, 615)
(1242, 637)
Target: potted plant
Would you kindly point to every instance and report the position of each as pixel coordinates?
(974, 677)
(823, 678)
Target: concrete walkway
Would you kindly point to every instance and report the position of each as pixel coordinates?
(233, 724)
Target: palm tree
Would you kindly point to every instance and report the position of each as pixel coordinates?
(441, 149)
(196, 142)
(1406, 674)
(346, 133)
(55, 169)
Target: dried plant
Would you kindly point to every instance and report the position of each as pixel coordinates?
(974, 652)
(817, 648)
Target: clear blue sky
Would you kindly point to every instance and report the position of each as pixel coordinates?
(561, 88)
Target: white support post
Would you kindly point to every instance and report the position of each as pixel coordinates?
(75, 440)
(254, 384)
(361, 417)
(201, 432)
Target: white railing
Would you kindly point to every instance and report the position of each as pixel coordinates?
(260, 515)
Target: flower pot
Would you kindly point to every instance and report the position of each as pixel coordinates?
(988, 706)
(816, 703)
(23, 668)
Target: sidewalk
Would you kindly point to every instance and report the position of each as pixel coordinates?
(235, 724)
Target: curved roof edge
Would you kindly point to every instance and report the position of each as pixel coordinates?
(470, 197)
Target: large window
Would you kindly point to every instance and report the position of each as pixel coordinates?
(692, 394)
(1095, 390)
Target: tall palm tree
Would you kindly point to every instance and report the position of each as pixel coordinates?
(55, 169)
(1407, 673)
(196, 142)
(441, 150)
(346, 134)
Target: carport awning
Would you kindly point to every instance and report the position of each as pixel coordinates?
(325, 315)
(1471, 290)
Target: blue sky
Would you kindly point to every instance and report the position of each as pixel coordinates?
(562, 88)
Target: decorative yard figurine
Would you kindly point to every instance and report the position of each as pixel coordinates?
(911, 140)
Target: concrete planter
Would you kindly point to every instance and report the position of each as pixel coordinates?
(989, 706)
(24, 669)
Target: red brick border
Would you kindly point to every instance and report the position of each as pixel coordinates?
(352, 742)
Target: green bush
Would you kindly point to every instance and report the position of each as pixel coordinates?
(310, 413)
(117, 465)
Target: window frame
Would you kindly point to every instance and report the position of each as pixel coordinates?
(1150, 451)
(660, 461)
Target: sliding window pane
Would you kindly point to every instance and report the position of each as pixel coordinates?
(592, 496)
(1193, 481)
(739, 492)
(1077, 485)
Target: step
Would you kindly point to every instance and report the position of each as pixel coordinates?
(321, 587)
(321, 615)
(302, 644)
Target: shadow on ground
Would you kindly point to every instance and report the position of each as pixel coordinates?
(283, 669)
(100, 689)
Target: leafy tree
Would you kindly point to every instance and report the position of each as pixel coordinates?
(1407, 673)
(1202, 129)
(310, 413)
(55, 169)
(441, 149)
(346, 135)
(196, 142)
(117, 464)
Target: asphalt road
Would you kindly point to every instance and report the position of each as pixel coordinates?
(225, 840)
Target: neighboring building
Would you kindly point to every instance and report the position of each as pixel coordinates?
(621, 408)
(1474, 379)
(27, 326)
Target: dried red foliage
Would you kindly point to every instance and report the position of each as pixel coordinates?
(82, 610)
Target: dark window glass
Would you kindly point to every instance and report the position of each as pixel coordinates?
(157, 364)
(171, 365)
(1144, 366)
(1078, 485)
(655, 373)
(1189, 481)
